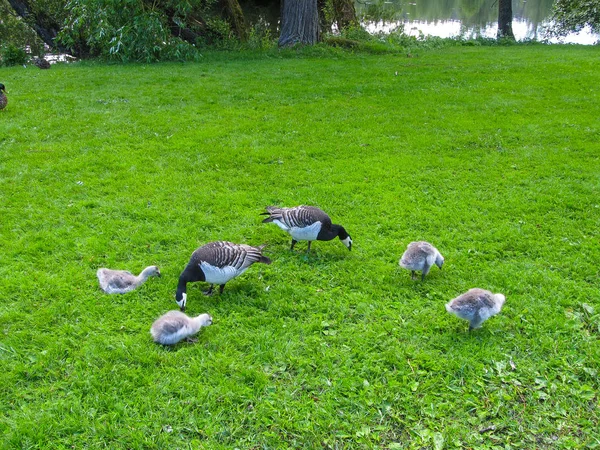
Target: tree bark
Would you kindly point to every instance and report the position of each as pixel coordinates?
(345, 13)
(45, 26)
(505, 20)
(299, 23)
(236, 18)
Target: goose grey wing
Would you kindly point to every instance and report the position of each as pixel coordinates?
(227, 254)
(304, 216)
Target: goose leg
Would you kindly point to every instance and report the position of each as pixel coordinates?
(424, 272)
(413, 275)
(293, 243)
(210, 290)
(221, 287)
(475, 322)
(308, 251)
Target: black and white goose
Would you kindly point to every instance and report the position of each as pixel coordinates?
(307, 223)
(217, 263)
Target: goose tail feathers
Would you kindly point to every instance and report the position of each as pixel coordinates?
(270, 211)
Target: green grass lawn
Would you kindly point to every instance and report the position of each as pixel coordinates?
(490, 154)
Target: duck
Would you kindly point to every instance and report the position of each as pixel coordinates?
(476, 305)
(421, 256)
(217, 263)
(123, 281)
(3, 97)
(306, 223)
(172, 327)
(42, 63)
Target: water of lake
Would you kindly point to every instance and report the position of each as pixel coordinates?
(468, 18)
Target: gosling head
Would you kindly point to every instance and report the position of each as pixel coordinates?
(205, 320)
(439, 260)
(2, 88)
(181, 299)
(153, 271)
(499, 299)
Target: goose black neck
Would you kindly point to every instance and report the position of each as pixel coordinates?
(327, 234)
(181, 287)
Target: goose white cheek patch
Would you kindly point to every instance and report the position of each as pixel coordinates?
(181, 303)
(347, 242)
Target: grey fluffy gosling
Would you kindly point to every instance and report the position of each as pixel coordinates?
(217, 263)
(307, 223)
(122, 281)
(421, 256)
(476, 305)
(174, 326)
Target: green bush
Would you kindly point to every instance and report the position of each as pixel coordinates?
(260, 36)
(13, 55)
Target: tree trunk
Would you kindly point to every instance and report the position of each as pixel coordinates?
(45, 26)
(345, 14)
(236, 18)
(299, 23)
(325, 23)
(505, 20)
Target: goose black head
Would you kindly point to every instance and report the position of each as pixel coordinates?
(181, 299)
(345, 238)
(2, 88)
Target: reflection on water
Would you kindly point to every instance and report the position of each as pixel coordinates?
(467, 18)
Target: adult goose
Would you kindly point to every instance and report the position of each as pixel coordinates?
(122, 281)
(3, 98)
(421, 256)
(217, 263)
(476, 305)
(307, 223)
(174, 326)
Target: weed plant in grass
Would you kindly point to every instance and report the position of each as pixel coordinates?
(490, 154)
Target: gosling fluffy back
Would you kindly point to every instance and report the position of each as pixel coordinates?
(476, 305)
(174, 326)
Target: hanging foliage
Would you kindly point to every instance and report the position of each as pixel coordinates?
(574, 15)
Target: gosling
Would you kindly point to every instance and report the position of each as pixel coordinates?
(174, 326)
(476, 305)
(122, 281)
(421, 256)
